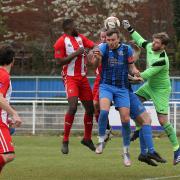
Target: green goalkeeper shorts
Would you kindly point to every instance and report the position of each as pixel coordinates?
(160, 97)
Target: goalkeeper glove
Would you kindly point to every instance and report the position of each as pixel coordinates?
(127, 26)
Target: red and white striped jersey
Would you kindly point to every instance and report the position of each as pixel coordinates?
(67, 45)
(5, 90)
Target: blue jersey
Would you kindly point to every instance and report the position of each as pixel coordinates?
(115, 65)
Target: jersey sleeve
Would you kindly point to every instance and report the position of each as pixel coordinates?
(4, 84)
(130, 55)
(155, 68)
(87, 42)
(139, 39)
(59, 48)
(103, 48)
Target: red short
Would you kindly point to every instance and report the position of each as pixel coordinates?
(96, 88)
(6, 144)
(78, 86)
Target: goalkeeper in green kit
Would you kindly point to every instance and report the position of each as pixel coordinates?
(157, 86)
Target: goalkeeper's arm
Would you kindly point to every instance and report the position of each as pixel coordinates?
(134, 34)
(153, 70)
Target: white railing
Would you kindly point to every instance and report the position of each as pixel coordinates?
(48, 116)
(53, 93)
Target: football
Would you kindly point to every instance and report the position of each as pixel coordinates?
(111, 22)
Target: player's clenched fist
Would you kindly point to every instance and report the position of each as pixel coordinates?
(126, 24)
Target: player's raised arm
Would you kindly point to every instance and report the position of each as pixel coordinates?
(134, 34)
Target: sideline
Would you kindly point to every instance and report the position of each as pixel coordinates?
(157, 178)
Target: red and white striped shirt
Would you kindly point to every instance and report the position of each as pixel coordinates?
(5, 90)
(67, 45)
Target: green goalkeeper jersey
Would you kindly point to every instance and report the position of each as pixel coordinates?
(157, 72)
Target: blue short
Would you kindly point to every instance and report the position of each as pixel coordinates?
(136, 106)
(120, 96)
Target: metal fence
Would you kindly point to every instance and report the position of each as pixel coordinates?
(48, 116)
(51, 87)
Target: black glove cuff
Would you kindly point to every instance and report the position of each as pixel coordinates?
(130, 29)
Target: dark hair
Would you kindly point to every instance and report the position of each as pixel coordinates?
(67, 23)
(110, 32)
(7, 54)
(163, 36)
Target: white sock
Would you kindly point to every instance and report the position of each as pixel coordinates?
(101, 139)
(126, 149)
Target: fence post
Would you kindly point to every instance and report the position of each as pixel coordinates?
(34, 117)
(37, 84)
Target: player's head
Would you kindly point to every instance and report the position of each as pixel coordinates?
(6, 55)
(113, 38)
(160, 41)
(103, 35)
(69, 27)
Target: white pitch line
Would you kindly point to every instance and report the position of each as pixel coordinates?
(157, 178)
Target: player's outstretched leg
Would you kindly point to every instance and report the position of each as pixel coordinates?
(88, 124)
(108, 133)
(67, 128)
(99, 148)
(135, 133)
(65, 148)
(152, 154)
(174, 141)
(176, 157)
(89, 143)
(102, 124)
(126, 159)
(144, 158)
(126, 131)
(156, 156)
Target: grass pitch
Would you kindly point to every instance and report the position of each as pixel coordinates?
(39, 158)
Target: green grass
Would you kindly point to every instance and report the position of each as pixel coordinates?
(39, 158)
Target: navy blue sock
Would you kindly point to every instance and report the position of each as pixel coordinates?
(147, 134)
(126, 132)
(142, 143)
(102, 122)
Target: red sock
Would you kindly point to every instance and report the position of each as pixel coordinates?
(2, 162)
(67, 126)
(88, 124)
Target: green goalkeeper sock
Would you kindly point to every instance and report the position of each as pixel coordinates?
(171, 135)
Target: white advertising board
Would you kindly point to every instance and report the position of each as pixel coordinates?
(115, 121)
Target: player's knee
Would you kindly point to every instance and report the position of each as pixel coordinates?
(96, 113)
(96, 107)
(145, 118)
(147, 121)
(96, 103)
(125, 118)
(90, 110)
(163, 119)
(72, 110)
